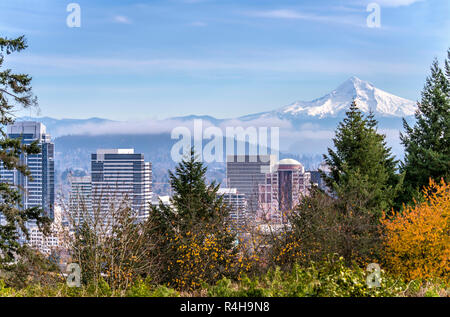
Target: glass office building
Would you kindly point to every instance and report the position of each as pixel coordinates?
(283, 190)
(237, 205)
(246, 173)
(39, 189)
(80, 198)
(121, 176)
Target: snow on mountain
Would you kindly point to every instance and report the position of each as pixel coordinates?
(325, 111)
(335, 103)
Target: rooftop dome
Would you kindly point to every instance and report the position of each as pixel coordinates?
(289, 162)
(289, 165)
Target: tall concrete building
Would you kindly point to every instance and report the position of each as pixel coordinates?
(80, 197)
(283, 189)
(316, 177)
(39, 190)
(47, 244)
(237, 204)
(120, 173)
(246, 173)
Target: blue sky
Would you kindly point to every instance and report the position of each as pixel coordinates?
(161, 58)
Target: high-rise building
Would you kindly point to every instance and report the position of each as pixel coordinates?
(237, 204)
(120, 175)
(246, 173)
(317, 180)
(51, 242)
(283, 189)
(80, 202)
(39, 189)
(316, 177)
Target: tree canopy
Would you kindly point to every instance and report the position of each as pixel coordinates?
(427, 143)
(361, 164)
(15, 93)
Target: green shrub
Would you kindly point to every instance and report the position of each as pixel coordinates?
(163, 291)
(331, 278)
(144, 289)
(5, 291)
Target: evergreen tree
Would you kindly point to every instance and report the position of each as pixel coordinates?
(15, 93)
(427, 144)
(194, 201)
(195, 209)
(447, 65)
(362, 164)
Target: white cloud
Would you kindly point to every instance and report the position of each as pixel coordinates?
(291, 63)
(260, 122)
(280, 14)
(122, 127)
(303, 139)
(396, 3)
(122, 19)
(198, 24)
(154, 126)
(297, 15)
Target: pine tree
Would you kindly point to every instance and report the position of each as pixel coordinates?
(362, 164)
(15, 93)
(194, 201)
(195, 214)
(427, 144)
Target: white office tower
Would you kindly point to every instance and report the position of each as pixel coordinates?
(148, 187)
(52, 242)
(237, 204)
(246, 173)
(120, 176)
(80, 202)
(283, 190)
(39, 189)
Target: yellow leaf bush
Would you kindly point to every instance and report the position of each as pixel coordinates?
(417, 240)
(203, 258)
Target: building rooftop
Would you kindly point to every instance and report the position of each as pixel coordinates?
(79, 179)
(37, 129)
(223, 191)
(289, 162)
(115, 151)
(260, 158)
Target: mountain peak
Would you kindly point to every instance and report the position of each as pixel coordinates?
(366, 95)
(354, 79)
(356, 82)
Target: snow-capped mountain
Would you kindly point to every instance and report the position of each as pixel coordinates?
(366, 95)
(327, 109)
(305, 127)
(335, 103)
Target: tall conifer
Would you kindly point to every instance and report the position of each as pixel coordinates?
(362, 164)
(427, 143)
(15, 93)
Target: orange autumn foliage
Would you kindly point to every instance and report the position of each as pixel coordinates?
(417, 241)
